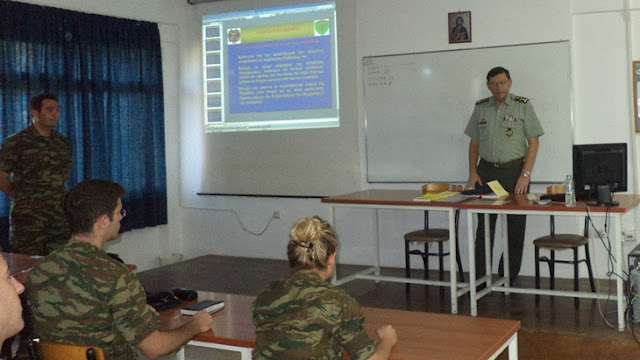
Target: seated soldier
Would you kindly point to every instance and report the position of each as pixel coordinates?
(10, 308)
(302, 316)
(80, 295)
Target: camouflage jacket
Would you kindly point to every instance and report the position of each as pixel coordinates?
(40, 167)
(80, 295)
(305, 317)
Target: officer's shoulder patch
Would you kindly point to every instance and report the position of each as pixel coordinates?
(483, 100)
(521, 99)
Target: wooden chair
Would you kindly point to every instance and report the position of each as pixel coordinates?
(43, 350)
(427, 235)
(558, 242)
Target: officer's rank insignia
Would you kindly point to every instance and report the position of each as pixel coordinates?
(521, 99)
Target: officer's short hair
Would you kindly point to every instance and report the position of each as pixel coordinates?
(36, 102)
(89, 200)
(497, 71)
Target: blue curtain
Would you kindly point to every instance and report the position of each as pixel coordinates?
(107, 74)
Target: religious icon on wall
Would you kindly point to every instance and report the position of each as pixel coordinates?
(460, 27)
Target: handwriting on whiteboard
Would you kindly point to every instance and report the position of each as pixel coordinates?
(379, 76)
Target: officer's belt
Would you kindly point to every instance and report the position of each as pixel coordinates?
(504, 165)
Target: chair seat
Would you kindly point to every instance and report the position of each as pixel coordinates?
(560, 241)
(58, 351)
(427, 235)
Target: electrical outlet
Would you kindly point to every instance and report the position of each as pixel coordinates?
(276, 214)
(629, 235)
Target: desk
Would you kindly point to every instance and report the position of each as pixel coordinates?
(420, 335)
(518, 204)
(398, 199)
(20, 264)
(232, 328)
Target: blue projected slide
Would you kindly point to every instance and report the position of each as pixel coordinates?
(280, 75)
(271, 69)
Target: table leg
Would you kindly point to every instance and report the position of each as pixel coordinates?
(513, 348)
(488, 251)
(376, 226)
(245, 353)
(511, 344)
(453, 273)
(505, 237)
(617, 230)
(332, 218)
(472, 263)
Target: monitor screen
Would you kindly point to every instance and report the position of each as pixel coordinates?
(599, 164)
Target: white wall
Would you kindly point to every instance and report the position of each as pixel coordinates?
(214, 224)
(198, 225)
(597, 30)
(142, 247)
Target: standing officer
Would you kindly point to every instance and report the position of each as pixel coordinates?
(504, 131)
(35, 163)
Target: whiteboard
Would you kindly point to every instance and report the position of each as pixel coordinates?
(418, 105)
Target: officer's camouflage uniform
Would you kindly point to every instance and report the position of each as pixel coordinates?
(80, 295)
(305, 317)
(40, 167)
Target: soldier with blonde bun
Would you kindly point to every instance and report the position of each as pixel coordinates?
(303, 316)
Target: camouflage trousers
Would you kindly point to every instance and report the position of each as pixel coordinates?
(38, 232)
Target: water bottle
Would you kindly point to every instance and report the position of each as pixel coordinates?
(569, 192)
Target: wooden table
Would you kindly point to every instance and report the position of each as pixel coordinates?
(520, 205)
(398, 199)
(232, 328)
(515, 204)
(420, 335)
(20, 264)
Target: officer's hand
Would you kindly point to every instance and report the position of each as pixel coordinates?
(522, 184)
(473, 180)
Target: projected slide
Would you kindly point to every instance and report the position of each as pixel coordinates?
(271, 69)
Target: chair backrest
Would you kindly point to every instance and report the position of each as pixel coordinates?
(57, 351)
(440, 187)
(552, 226)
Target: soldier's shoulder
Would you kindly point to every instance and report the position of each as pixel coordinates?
(521, 99)
(60, 136)
(17, 136)
(483, 100)
(46, 268)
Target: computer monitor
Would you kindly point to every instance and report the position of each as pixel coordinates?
(600, 170)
